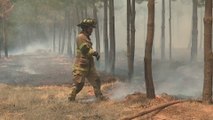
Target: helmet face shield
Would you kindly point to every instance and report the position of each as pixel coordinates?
(88, 22)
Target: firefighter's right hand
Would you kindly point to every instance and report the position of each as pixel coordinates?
(96, 54)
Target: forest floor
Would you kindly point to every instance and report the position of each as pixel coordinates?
(36, 86)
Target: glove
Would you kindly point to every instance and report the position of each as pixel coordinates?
(96, 54)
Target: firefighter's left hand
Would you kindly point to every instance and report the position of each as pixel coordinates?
(97, 57)
(96, 54)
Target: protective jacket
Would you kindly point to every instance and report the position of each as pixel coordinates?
(84, 61)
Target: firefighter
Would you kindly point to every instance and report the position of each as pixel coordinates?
(84, 67)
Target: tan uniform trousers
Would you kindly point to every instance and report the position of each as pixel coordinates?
(79, 78)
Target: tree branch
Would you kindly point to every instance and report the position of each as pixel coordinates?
(162, 106)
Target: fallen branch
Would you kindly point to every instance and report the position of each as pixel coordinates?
(162, 106)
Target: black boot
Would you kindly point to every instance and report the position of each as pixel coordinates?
(99, 95)
(72, 95)
(97, 91)
(77, 88)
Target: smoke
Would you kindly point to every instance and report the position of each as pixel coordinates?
(121, 90)
(31, 49)
(183, 79)
(179, 79)
(27, 67)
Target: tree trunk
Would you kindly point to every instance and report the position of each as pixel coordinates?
(150, 91)
(207, 86)
(63, 39)
(64, 33)
(170, 30)
(5, 36)
(194, 31)
(201, 29)
(86, 10)
(1, 39)
(97, 35)
(105, 34)
(163, 31)
(74, 42)
(60, 38)
(69, 47)
(78, 16)
(54, 33)
(112, 36)
(132, 37)
(129, 38)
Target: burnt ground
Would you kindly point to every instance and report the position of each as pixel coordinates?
(36, 86)
(35, 69)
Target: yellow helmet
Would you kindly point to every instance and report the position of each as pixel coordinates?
(88, 22)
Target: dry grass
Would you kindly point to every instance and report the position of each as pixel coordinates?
(50, 103)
